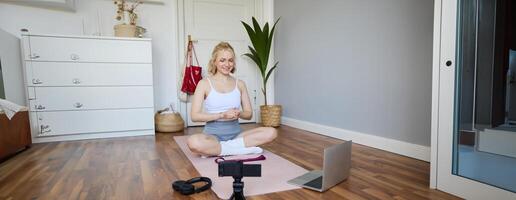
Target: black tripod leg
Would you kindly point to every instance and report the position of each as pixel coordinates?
(239, 196)
(236, 196)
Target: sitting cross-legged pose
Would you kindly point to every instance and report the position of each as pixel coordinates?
(223, 96)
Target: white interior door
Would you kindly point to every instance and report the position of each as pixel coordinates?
(212, 21)
(447, 151)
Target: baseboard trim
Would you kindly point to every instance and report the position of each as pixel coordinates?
(395, 146)
(88, 136)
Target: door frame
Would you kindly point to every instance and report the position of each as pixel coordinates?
(443, 106)
(264, 10)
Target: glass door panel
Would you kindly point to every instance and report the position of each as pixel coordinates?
(476, 145)
(484, 150)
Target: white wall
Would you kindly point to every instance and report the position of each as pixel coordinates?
(93, 17)
(362, 66)
(12, 72)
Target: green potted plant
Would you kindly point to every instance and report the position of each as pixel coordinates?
(261, 39)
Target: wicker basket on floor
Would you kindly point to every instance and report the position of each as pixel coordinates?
(271, 115)
(168, 122)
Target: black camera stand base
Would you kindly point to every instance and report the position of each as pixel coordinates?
(238, 189)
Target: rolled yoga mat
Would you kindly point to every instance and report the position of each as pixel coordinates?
(276, 171)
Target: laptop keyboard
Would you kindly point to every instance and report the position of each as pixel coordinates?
(316, 183)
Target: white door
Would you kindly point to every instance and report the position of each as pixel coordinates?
(449, 176)
(212, 21)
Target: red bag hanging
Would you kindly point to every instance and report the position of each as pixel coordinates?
(192, 74)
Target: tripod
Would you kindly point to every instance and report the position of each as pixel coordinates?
(237, 169)
(238, 189)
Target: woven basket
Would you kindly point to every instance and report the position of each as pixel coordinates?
(271, 115)
(124, 30)
(169, 122)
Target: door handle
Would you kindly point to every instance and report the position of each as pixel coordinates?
(33, 56)
(254, 94)
(39, 107)
(74, 56)
(36, 81)
(76, 81)
(78, 105)
(45, 129)
(448, 63)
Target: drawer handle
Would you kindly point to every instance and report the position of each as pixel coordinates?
(78, 105)
(45, 129)
(34, 56)
(40, 107)
(76, 81)
(74, 57)
(36, 81)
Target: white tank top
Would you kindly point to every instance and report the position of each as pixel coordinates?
(217, 102)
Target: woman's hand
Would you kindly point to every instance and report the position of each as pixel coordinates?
(231, 114)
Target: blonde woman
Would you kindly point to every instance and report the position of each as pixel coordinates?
(225, 100)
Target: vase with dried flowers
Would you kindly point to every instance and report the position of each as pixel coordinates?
(127, 17)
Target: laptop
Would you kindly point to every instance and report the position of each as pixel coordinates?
(336, 166)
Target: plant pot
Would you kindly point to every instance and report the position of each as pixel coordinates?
(124, 30)
(271, 115)
(168, 122)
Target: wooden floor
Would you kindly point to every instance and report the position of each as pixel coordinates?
(143, 168)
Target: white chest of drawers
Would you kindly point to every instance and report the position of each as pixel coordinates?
(88, 87)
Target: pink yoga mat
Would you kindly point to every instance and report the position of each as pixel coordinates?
(276, 171)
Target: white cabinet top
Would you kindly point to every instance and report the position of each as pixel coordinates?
(86, 37)
(68, 5)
